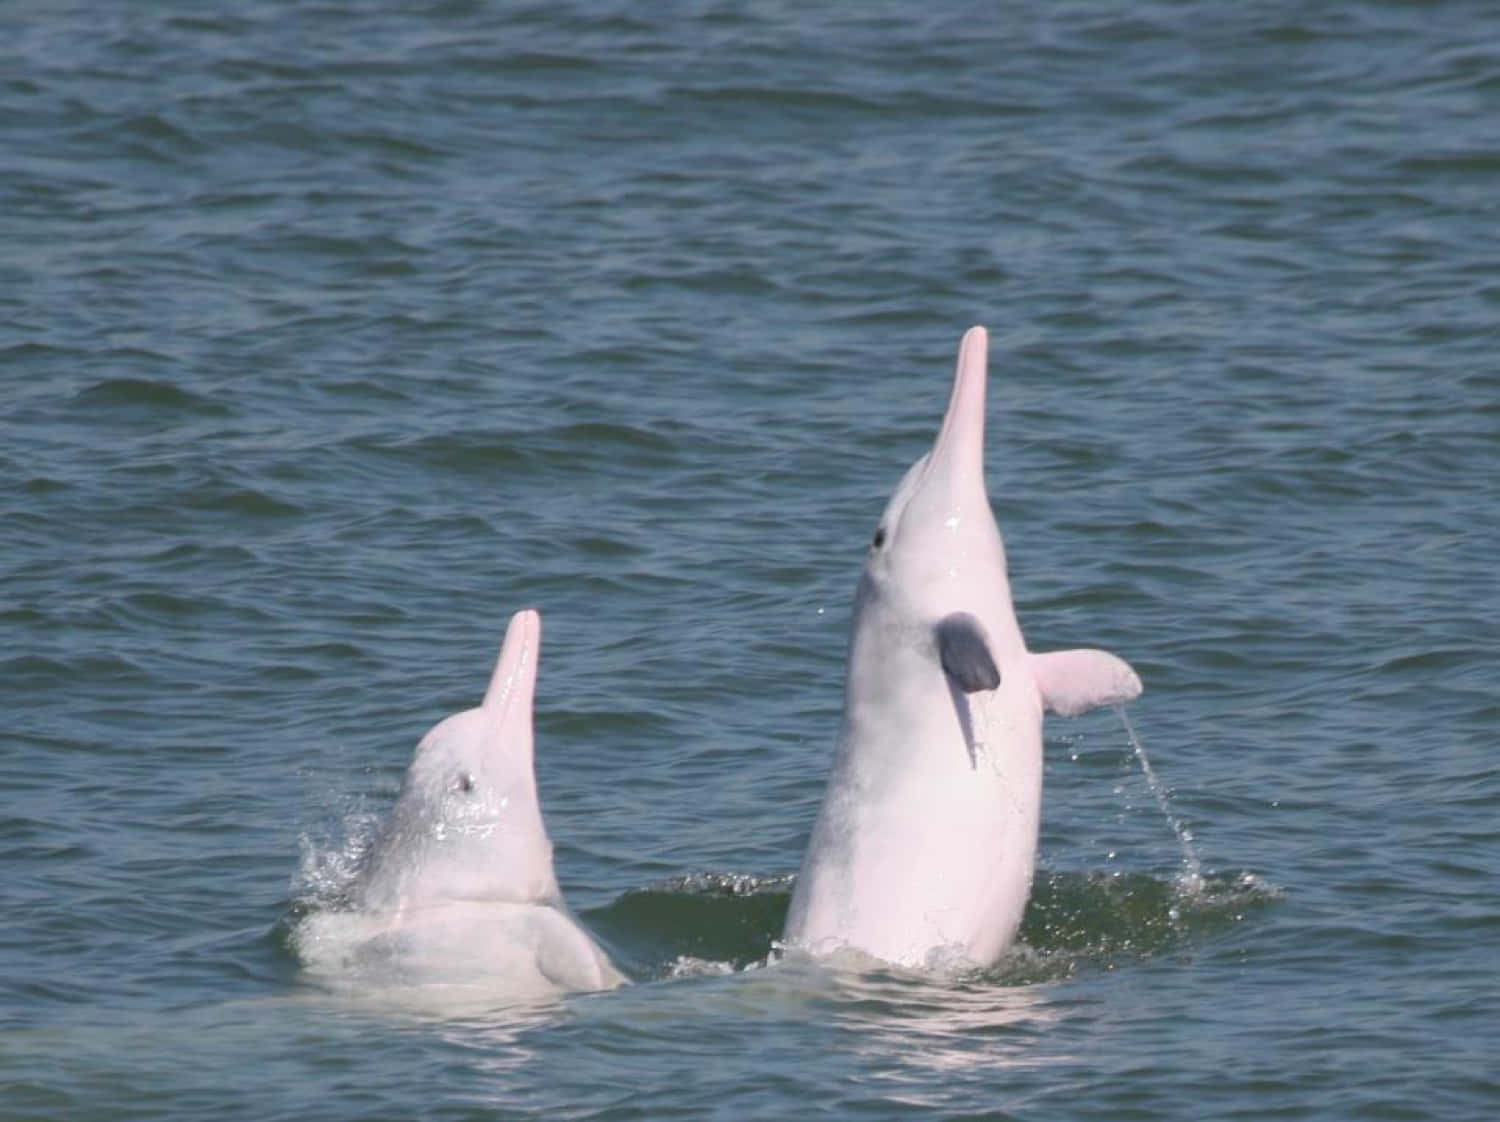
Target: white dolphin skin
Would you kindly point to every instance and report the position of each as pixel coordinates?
(459, 886)
(922, 853)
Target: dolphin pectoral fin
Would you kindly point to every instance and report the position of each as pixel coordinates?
(1073, 682)
(964, 650)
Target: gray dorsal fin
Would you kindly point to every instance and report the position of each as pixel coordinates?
(964, 650)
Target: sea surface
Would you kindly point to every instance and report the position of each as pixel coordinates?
(333, 333)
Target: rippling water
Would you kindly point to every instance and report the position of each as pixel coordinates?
(332, 334)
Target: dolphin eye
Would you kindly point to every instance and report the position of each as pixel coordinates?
(464, 783)
(879, 539)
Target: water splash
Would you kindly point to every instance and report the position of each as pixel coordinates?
(710, 924)
(333, 854)
(1190, 884)
(1078, 922)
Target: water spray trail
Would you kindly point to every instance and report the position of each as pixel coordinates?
(1192, 868)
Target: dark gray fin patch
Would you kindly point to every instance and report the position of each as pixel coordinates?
(964, 650)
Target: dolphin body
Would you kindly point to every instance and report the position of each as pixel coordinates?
(459, 887)
(922, 853)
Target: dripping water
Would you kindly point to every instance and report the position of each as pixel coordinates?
(1191, 881)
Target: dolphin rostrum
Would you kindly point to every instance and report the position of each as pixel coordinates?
(923, 850)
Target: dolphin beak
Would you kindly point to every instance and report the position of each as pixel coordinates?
(959, 451)
(507, 701)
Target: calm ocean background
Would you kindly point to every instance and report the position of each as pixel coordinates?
(331, 334)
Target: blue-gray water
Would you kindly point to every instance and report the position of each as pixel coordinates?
(332, 334)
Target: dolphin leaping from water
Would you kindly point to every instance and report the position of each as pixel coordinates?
(922, 853)
(459, 887)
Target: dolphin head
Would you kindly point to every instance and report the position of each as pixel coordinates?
(937, 549)
(467, 824)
